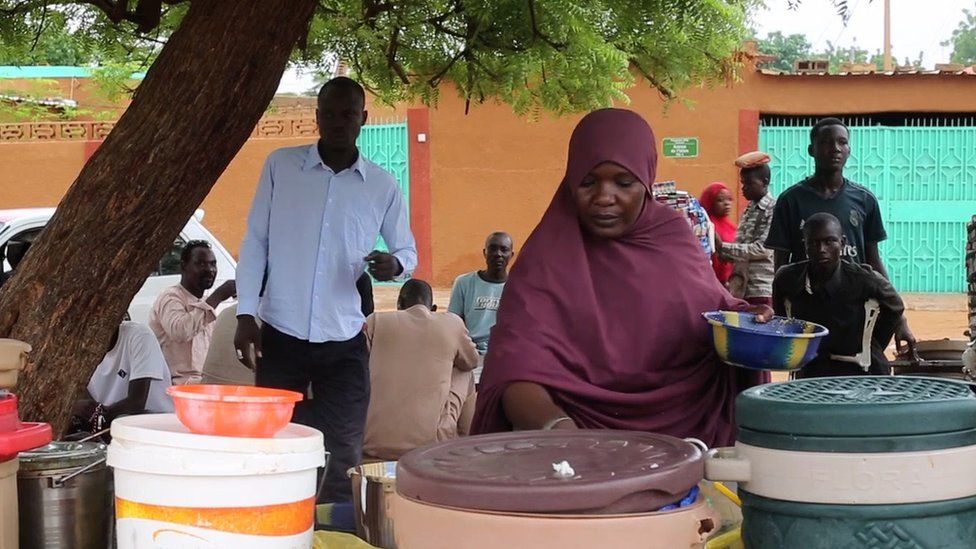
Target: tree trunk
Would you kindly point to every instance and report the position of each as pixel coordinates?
(195, 109)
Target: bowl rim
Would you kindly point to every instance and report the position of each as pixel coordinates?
(821, 331)
(277, 396)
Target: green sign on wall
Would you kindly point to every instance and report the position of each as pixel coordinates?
(680, 147)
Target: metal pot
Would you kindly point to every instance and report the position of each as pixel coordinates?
(64, 495)
(373, 487)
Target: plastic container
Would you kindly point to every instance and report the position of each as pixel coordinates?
(64, 494)
(851, 462)
(16, 436)
(13, 358)
(178, 489)
(782, 344)
(513, 490)
(9, 530)
(424, 526)
(233, 410)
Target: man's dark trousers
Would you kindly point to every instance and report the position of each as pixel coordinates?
(338, 372)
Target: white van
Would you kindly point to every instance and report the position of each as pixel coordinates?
(23, 222)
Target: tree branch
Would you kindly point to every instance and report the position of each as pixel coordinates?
(40, 28)
(537, 33)
(661, 88)
(435, 80)
(391, 55)
(372, 10)
(148, 14)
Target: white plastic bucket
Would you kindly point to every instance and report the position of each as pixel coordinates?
(175, 489)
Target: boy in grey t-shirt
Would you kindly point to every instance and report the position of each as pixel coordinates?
(476, 295)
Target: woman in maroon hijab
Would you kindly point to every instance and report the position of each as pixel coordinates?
(600, 325)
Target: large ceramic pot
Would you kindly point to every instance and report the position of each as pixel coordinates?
(552, 489)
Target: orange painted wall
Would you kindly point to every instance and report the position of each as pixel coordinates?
(494, 171)
(37, 174)
(491, 170)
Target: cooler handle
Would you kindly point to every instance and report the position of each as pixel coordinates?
(724, 464)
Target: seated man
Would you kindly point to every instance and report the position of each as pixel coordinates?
(131, 379)
(420, 374)
(833, 293)
(222, 366)
(182, 319)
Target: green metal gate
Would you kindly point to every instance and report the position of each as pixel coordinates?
(387, 145)
(924, 175)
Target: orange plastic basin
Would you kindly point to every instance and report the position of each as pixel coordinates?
(233, 410)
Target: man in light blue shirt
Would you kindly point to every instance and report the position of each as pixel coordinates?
(316, 215)
(476, 295)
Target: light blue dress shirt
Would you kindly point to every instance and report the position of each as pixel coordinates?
(308, 232)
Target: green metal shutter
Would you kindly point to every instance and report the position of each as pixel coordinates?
(387, 145)
(925, 180)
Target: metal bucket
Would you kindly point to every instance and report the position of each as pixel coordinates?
(373, 487)
(64, 495)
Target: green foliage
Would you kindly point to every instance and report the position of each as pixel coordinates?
(963, 40)
(113, 79)
(63, 33)
(854, 54)
(559, 55)
(790, 48)
(787, 49)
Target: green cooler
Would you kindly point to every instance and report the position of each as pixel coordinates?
(855, 462)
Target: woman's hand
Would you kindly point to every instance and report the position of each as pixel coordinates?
(764, 313)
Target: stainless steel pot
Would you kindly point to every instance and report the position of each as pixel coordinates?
(64, 494)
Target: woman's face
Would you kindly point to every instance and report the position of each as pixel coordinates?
(609, 200)
(723, 203)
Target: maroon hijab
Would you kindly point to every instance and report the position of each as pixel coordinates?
(613, 328)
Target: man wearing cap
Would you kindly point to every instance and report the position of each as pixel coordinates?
(752, 275)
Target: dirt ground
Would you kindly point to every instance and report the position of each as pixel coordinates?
(931, 316)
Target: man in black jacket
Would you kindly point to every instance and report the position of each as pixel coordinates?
(830, 292)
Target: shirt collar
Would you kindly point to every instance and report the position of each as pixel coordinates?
(831, 286)
(766, 202)
(418, 310)
(313, 160)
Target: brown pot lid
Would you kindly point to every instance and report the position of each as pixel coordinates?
(613, 472)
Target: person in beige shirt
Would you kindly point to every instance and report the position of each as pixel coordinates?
(420, 370)
(222, 365)
(182, 319)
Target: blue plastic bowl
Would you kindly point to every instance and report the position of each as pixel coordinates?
(782, 344)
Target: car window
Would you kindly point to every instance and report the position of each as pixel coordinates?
(170, 263)
(18, 240)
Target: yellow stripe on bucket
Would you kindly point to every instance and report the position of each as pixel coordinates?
(286, 519)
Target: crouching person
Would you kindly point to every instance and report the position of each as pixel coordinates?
(842, 296)
(420, 368)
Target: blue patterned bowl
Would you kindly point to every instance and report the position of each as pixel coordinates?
(782, 344)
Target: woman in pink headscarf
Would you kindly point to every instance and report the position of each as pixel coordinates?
(717, 201)
(600, 325)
